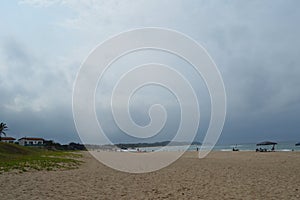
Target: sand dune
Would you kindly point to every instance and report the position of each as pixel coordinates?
(221, 175)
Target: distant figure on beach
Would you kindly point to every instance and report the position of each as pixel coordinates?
(197, 149)
(235, 148)
(261, 150)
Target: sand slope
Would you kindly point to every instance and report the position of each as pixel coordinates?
(221, 175)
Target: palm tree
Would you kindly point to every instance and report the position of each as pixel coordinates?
(3, 127)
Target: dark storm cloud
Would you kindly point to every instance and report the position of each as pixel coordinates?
(55, 124)
(34, 96)
(254, 43)
(261, 76)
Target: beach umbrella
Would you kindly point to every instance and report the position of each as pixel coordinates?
(266, 143)
(298, 144)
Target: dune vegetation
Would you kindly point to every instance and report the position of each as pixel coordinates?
(18, 158)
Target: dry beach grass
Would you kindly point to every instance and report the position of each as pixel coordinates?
(221, 175)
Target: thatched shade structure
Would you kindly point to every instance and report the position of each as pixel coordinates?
(266, 143)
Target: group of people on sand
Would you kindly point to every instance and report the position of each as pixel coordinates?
(265, 150)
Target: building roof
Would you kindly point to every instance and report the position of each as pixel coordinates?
(31, 138)
(8, 138)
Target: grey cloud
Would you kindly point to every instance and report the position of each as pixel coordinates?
(254, 43)
(35, 97)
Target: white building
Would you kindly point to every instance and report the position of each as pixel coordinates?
(8, 139)
(30, 141)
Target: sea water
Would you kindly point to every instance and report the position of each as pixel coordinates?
(284, 146)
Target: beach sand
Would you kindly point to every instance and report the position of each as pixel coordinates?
(221, 175)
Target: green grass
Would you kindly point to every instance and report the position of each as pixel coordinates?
(21, 159)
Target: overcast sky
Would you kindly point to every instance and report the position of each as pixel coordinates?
(255, 45)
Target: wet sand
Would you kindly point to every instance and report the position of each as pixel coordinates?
(221, 175)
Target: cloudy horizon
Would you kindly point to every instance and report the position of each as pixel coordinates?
(254, 44)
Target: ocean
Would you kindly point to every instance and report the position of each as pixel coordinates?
(285, 146)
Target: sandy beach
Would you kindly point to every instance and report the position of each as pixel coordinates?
(221, 175)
